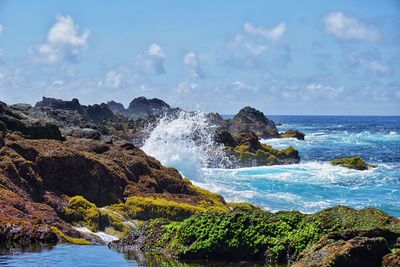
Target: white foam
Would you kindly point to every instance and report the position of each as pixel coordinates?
(186, 143)
(106, 238)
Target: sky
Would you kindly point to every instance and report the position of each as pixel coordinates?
(300, 57)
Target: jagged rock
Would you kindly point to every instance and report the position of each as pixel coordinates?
(15, 120)
(116, 107)
(59, 104)
(142, 107)
(293, 134)
(99, 113)
(250, 119)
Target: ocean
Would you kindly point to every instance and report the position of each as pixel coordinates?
(315, 184)
(312, 185)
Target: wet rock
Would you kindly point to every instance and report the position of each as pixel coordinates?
(293, 134)
(356, 163)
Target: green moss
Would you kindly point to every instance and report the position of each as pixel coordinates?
(145, 208)
(266, 155)
(68, 239)
(82, 212)
(356, 163)
(248, 233)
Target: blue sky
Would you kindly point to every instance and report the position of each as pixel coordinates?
(283, 57)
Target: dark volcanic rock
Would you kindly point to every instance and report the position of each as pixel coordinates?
(15, 120)
(59, 104)
(142, 107)
(250, 119)
(116, 107)
(99, 113)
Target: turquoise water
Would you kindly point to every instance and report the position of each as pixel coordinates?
(314, 184)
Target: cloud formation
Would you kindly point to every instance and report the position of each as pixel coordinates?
(1, 29)
(152, 62)
(192, 64)
(273, 34)
(64, 42)
(346, 27)
(370, 61)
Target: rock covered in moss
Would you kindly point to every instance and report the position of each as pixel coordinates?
(356, 163)
(283, 237)
(293, 134)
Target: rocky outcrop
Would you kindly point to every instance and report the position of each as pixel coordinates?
(250, 119)
(247, 151)
(13, 119)
(356, 163)
(292, 134)
(37, 177)
(274, 238)
(143, 108)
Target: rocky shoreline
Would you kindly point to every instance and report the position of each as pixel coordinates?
(64, 166)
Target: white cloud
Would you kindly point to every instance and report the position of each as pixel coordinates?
(324, 91)
(192, 64)
(152, 61)
(273, 34)
(1, 29)
(368, 62)
(64, 42)
(347, 27)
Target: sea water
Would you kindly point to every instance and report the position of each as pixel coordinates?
(313, 184)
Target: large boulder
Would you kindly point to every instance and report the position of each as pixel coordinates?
(355, 162)
(251, 119)
(142, 107)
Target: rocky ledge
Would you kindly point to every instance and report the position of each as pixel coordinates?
(338, 236)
